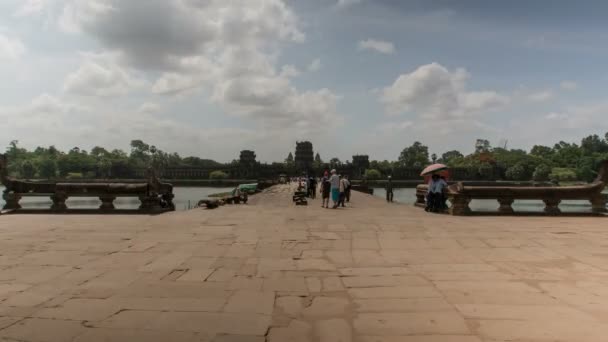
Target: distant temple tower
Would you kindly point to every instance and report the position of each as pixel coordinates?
(304, 156)
(247, 158)
(360, 164)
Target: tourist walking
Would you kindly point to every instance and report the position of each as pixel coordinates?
(389, 190)
(342, 198)
(334, 180)
(435, 194)
(325, 191)
(313, 187)
(347, 190)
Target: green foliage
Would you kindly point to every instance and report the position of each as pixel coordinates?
(541, 173)
(562, 174)
(74, 175)
(486, 171)
(482, 145)
(416, 155)
(516, 172)
(218, 175)
(47, 167)
(373, 174)
(27, 169)
(541, 151)
(451, 157)
(541, 163)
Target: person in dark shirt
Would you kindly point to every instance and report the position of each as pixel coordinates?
(325, 190)
(389, 190)
(313, 187)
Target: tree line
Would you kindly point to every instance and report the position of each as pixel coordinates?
(561, 162)
(48, 163)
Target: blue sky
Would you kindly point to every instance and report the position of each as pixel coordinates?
(210, 78)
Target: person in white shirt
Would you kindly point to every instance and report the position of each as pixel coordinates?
(435, 193)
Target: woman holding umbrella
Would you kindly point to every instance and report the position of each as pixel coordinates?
(434, 198)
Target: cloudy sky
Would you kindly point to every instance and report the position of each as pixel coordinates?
(212, 77)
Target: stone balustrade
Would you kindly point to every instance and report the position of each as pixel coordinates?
(460, 196)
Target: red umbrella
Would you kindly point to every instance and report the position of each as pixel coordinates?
(433, 168)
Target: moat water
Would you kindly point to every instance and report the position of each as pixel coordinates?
(185, 197)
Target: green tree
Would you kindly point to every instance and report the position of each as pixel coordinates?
(562, 174)
(47, 168)
(541, 173)
(593, 144)
(28, 170)
(416, 155)
(218, 175)
(450, 157)
(486, 171)
(372, 174)
(541, 151)
(516, 172)
(482, 145)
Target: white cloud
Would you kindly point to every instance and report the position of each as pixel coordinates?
(433, 92)
(290, 71)
(568, 85)
(315, 65)
(380, 46)
(541, 96)
(148, 108)
(101, 76)
(11, 49)
(347, 3)
(227, 48)
(31, 7)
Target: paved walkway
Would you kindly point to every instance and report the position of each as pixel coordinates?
(270, 271)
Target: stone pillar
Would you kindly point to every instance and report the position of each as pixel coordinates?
(59, 199)
(107, 202)
(505, 205)
(420, 199)
(460, 205)
(552, 206)
(12, 201)
(149, 203)
(598, 203)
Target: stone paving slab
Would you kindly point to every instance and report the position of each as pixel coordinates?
(271, 271)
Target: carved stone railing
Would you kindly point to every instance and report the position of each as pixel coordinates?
(154, 195)
(460, 195)
(151, 200)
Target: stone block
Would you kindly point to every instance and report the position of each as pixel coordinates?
(418, 323)
(246, 301)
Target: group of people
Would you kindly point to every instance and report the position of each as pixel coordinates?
(338, 188)
(331, 186)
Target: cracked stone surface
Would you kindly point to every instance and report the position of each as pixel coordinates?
(271, 271)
